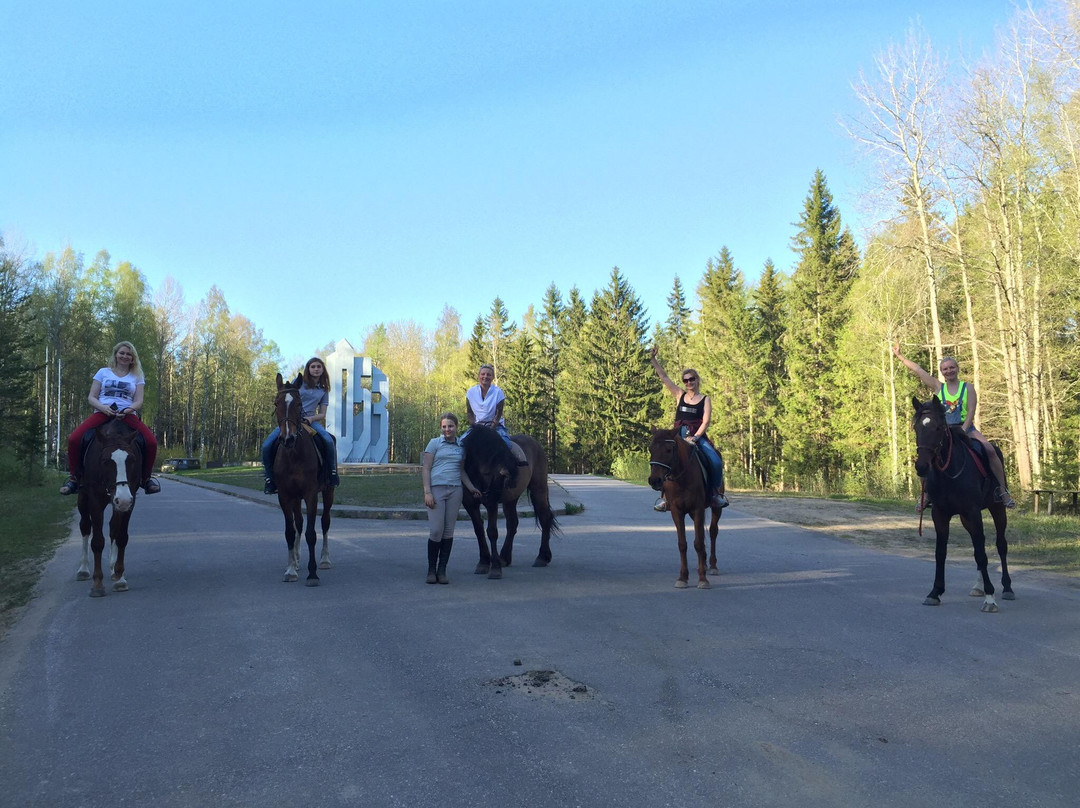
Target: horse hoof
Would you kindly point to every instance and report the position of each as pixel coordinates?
(481, 569)
(97, 593)
(713, 571)
(681, 584)
(120, 586)
(932, 602)
(325, 565)
(288, 579)
(541, 562)
(703, 584)
(82, 576)
(990, 608)
(495, 575)
(1008, 596)
(977, 593)
(311, 582)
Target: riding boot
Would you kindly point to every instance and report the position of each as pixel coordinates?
(433, 548)
(445, 546)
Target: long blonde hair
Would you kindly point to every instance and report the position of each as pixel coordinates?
(135, 366)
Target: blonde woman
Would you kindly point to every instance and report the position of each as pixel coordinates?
(116, 392)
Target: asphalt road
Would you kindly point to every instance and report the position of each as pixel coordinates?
(810, 674)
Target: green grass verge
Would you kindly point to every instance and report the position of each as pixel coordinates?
(398, 490)
(36, 520)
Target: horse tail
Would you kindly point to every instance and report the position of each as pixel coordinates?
(538, 488)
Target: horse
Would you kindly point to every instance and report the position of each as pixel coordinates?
(112, 472)
(956, 485)
(674, 470)
(299, 481)
(493, 470)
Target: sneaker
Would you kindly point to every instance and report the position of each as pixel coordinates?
(151, 486)
(660, 505)
(269, 487)
(335, 480)
(922, 504)
(70, 486)
(1005, 498)
(719, 501)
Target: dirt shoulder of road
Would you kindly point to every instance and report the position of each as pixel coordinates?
(883, 527)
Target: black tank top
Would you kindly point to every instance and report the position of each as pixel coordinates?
(689, 415)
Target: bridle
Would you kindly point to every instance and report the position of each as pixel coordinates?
(294, 424)
(936, 450)
(672, 474)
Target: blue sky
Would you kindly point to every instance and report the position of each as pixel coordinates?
(332, 165)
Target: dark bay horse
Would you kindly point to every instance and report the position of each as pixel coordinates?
(956, 486)
(492, 468)
(674, 470)
(299, 481)
(112, 472)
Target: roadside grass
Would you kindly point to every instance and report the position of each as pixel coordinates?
(36, 521)
(398, 490)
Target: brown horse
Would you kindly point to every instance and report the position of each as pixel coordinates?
(299, 480)
(112, 472)
(674, 470)
(493, 470)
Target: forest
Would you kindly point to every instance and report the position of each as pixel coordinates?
(974, 173)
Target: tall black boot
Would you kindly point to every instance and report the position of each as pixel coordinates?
(433, 548)
(445, 546)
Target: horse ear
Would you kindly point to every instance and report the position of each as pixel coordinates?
(653, 430)
(915, 402)
(279, 381)
(299, 380)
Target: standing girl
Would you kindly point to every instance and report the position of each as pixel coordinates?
(443, 473)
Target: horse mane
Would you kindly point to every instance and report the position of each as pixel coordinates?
(484, 442)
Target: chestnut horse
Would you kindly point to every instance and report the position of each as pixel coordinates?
(493, 470)
(112, 472)
(299, 480)
(956, 485)
(674, 470)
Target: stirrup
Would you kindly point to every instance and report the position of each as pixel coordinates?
(660, 505)
(1005, 498)
(269, 487)
(151, 486)
(719, 501)
(70, 486)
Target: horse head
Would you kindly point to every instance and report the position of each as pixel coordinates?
(287, 409)
(118, 470)
(665, 459)
(489, 463)
(931, 433)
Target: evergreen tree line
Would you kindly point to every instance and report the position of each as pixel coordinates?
(977, 258)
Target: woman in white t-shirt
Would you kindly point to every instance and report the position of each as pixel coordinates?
(116, 392)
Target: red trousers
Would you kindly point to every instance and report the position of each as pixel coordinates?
(99, 418)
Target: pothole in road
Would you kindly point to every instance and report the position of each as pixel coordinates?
(543, 684)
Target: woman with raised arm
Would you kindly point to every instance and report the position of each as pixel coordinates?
(693, 410)
(959, 400)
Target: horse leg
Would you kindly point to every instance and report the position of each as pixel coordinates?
(312, 502)
(679, 519)
(327, 504)
(714, 528)
(484, 564)
(511, 515)
(546, 518)
(85, 528)
(118, 534)
(1001, 521)
(97, 545)
(290, 539)
(699, 547)
(493, 542)
(972, 522)
(941, 548)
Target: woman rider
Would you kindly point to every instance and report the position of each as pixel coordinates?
(959, 400)
(693, 411)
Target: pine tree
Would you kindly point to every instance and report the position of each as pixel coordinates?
(768, 341)
(817, 313)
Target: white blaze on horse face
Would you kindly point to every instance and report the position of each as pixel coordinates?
(926, 421)
(122, 498)
(288, 404)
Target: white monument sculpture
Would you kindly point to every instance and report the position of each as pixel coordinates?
(357, 414)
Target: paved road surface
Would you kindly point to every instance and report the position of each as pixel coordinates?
(810, 675)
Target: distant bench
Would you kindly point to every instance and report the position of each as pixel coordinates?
(1071, 497)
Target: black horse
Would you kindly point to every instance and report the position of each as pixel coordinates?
(958, 482)
(493, 470)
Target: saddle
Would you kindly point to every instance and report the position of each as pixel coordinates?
(976, 450)
(698, 454)
(323, 464)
